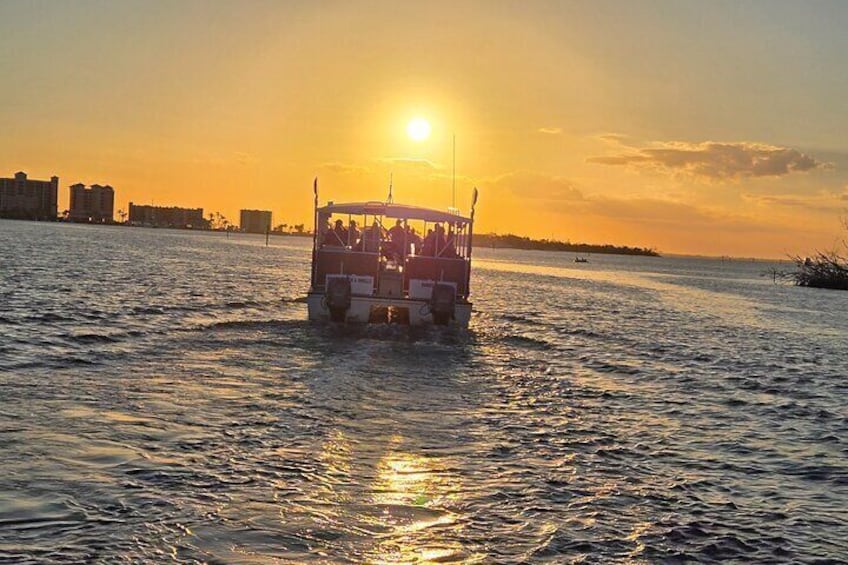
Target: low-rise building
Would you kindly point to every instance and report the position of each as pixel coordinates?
(28, 199)
(94, 204)
(255, 221)
(167, 216)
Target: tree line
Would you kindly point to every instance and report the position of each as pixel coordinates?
(511, 241)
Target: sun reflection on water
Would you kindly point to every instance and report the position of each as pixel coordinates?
(407, 479)
(401, 506)
(414, 493)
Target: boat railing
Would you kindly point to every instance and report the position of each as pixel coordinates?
(342, 261)
(439, 269)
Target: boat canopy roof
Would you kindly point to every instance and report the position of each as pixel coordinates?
(377, 208)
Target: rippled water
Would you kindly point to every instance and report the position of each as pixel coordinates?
(162, 399)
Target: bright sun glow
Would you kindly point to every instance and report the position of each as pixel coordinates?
(418, 129)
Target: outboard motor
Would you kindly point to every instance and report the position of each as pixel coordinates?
(338, 297)
(442, 303)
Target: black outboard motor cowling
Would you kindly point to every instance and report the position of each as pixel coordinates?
(338, 297)
(442, 303)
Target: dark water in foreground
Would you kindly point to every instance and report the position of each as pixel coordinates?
(163, 400)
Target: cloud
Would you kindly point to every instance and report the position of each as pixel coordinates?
(673, 222)
(344, 168)
(792, 201)
(245, 158)
(651, 211)
(411, 162)
(618, 139)
(823, 202)
(550, 131)
(223, 160)
(422, 165)
(715, 161)
(537, 188)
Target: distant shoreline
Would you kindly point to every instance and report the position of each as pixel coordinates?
(490, 240)
(510, 241)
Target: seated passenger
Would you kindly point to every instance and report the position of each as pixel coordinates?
(449, 250)
(336, 237)
(371, 237)
(437, 242)
(428, 247)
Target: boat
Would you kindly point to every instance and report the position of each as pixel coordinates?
(388, 272)
(580, 260)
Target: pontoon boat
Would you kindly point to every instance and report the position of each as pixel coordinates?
(382, 262)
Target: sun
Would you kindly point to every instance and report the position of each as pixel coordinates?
(418, 129)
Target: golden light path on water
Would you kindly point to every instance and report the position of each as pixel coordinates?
(413, 492)
(404, 507)
(732, 308)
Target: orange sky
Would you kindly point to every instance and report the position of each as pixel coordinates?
(710, 129)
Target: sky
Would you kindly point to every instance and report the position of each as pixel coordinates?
(715, 128)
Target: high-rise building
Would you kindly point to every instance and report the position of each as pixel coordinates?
(95, 204)
(255, 221)
(167, 216)
(28, 199)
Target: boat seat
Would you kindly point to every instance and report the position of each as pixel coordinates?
(437, 269)
(337, 261)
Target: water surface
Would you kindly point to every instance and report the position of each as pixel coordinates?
(162, 399)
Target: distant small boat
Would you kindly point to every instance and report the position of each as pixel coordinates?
(580, 260)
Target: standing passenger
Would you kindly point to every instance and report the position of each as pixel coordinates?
(428, 248)
(353, 234)
(414, 240)
(449, 249)
(397, 235)
(439, 240)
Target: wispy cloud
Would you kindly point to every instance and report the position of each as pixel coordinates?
(822, 202)
(411, 162)
(537, 188)
(344, 168)
(792, 201)
(651, 211)
(714, 160)
(617, 139)
(245, 158)
(550, 131)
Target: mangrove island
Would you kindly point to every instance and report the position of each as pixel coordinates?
(510, 241)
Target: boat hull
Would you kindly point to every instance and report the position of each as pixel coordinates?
(365, 309)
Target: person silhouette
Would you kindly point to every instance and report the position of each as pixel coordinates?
(336, 237)
(353, 234)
